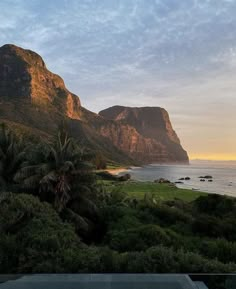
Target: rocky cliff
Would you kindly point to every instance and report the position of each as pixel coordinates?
(150, 136)
(35, 101)
(34, 97)
(24, 76)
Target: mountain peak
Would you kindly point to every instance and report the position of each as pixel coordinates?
(29, 56)
(33, 96)
(25, 78)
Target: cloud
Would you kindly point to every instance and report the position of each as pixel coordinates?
(177, 54)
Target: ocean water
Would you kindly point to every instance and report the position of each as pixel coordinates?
(223, 173)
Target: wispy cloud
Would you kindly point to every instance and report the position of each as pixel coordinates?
(171, 53)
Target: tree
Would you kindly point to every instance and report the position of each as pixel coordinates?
(54, 169)
(60, 173)
(33, 238)
(12, 155)
(100, 162)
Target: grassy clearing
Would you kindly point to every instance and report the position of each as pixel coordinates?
(159, 191)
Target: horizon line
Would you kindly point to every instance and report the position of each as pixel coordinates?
(218, 160)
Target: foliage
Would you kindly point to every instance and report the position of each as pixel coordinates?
(216, 205)
(33, 237)
(72, 221)
(58, 171)
(12, 155)
(139, 238)
(100, 161)
(161, 260)
(55, 170)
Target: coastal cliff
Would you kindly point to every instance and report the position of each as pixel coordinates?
(34, 98)
(150, 136)
(24, 77)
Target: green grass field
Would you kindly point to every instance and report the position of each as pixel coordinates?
(159, 191)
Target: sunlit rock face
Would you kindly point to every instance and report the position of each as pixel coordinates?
(24, 77)
(35, 102)
(149, 136)
(37, 99)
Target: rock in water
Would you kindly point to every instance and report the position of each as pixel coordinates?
(162, 181)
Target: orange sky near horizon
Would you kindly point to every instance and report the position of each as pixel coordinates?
(213, 157)
(179, 55)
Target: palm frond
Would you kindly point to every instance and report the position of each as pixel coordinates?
(31, 182)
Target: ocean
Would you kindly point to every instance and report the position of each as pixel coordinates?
(223, 175)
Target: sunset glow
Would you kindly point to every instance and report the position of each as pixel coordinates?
(180, 55)
(217, 157)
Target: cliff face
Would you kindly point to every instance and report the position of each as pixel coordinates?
(34, 100)
(24, 76)
(34, 97)
(151, 139)
(139, 148)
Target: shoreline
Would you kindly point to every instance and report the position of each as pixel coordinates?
(186, 186)
(116, 171)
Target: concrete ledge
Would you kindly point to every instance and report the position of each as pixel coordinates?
(100, 281)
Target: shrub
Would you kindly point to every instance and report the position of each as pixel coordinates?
(166, 260)
(137, 239)
(213, 204)
(168, 215)
(33, 237)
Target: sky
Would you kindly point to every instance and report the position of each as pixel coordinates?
(180, 55)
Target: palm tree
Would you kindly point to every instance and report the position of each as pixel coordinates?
(61, 174)
(53, 169)
(12, 155)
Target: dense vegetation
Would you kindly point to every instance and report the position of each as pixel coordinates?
(58, 215)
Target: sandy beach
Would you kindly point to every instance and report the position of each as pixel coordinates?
(116, 171)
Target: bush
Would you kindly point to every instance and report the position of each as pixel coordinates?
(137, 239)
(207, 225)
(148, 262)
(220, 249)
(213, 204)
(166, 260)
(118, 216)
(168, 215)
(212, 226)
(33, 237)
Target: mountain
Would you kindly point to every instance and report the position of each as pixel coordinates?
(25, 81)
(35, 100)
(151, 139)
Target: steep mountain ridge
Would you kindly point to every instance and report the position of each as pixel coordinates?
(24, 75)
(34, 97)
